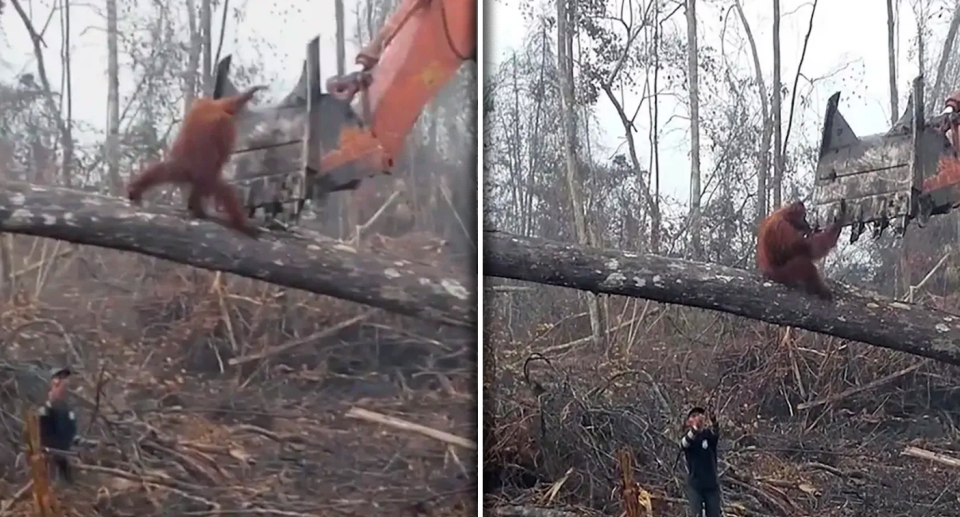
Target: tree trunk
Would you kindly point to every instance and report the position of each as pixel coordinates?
(938, 93)
(341, 37)
(655, 218)
(64, 123)
(694, 78)
(113, 100)
(324, 266)
(193, 57)
(855, 315)
(778, 164)
(651, 201)
(348, 210)
(206, 28)
(892, 64)
(763, 164)
(67, 100)
(568, 114)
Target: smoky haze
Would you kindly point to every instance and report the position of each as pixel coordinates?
(259, 377)
(662, 133)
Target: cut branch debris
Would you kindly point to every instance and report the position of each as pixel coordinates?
(854, 315)
(329, 268)
(943, 459)
(860, 389)
(396, 423)
(316, 336)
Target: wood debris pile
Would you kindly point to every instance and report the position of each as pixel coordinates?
(800, 436)
(368, 413)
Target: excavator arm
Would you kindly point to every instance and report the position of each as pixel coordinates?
(313, 143)
(417, 51)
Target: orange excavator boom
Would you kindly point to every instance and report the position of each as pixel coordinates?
(419, 49)
(312, 143)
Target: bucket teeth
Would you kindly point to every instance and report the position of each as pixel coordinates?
(876, 179)
(856, 231)
(305, 147)
(879, 226)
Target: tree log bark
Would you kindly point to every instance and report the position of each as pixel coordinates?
(329, 268)
(854, 314)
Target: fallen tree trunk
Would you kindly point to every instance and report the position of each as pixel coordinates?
(329, 268)
(853, 315)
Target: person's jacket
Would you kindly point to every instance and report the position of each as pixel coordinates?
(58, 430)
(700, 451)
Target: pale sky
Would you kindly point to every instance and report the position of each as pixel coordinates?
(844, 32)
(288, 30)
(833, 45)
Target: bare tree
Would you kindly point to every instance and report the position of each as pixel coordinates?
(616, 70)
(66, 98)
(938, 92)
(113, 99)
(206, 26)
(655, 216)
(64, 125)
(778, 164)
(193, 56)
(763, 164)
(892, 63)
(347, 208)
(693, 75)
(341, 38)
(568, 114)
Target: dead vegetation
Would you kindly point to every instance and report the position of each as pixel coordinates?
(202, 393)
(812, 424)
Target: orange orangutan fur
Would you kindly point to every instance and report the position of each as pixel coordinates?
(787, 249)
(197, 157)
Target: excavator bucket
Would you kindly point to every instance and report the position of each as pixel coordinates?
(312, 143)
(875, 180)
(288, 153)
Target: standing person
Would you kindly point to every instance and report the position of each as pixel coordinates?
(699, 445)
(58, 424)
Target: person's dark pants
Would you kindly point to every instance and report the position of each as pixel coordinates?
(59, 468)
(704, 503)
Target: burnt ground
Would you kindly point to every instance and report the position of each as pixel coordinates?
(173, 434)
(811, 426)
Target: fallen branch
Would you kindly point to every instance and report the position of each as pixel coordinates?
(859, 389)
(300, 342)
(854, 315)
(363, 227)
(7, 504)
(329, 268)
(916, 452)
(379, 418)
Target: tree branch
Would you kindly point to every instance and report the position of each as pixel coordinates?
(945, 54)
(329, 268)
(796, 78)
(854, 315)
(66, 135)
